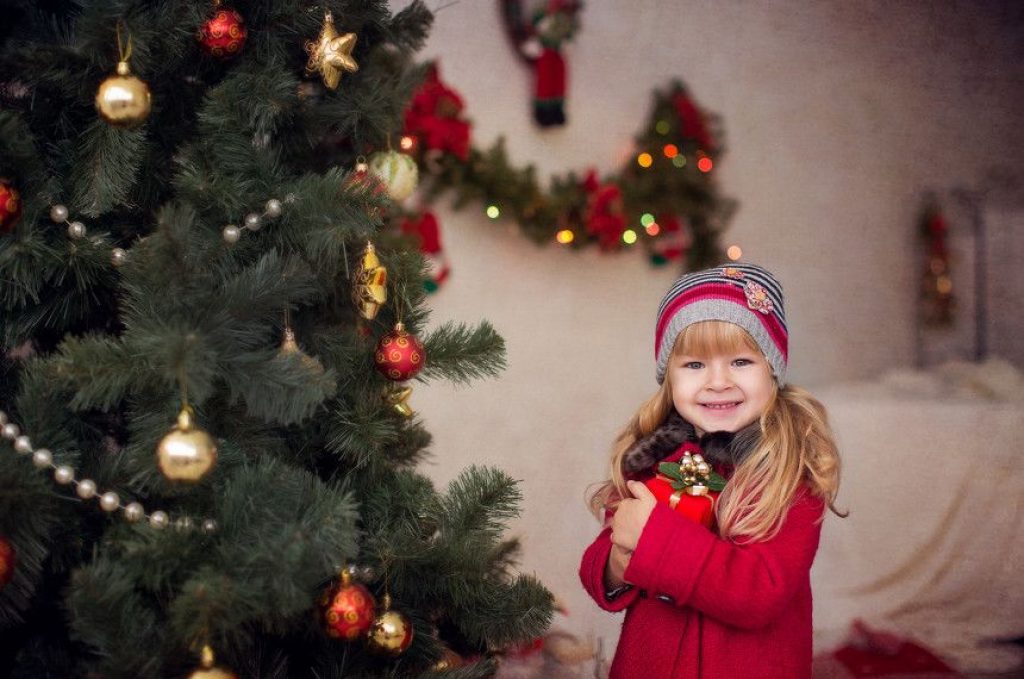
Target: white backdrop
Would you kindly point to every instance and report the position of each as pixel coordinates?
(837, 116)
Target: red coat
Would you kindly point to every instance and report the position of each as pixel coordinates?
(736, 611)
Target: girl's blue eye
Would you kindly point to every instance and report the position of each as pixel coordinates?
(693, 365)
(742, 361)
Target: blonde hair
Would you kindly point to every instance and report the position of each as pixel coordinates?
(796, 447)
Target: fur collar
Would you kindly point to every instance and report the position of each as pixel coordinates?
(719, 447)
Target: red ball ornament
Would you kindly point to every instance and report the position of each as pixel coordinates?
(10, 207)
(223, 35)
(7, 561)
(348, 609)
(400, 355)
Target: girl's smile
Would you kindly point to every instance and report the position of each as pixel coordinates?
(723, 392)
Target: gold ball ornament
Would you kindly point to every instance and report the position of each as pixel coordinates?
(331, 54)
(370, 290)
(208, 671)
(391, 632)
(186, 453)
(397, 171)
(123, 100)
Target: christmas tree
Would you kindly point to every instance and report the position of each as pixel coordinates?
(208, 454)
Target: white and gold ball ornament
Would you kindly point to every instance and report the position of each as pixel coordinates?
(123, 100)
(391, 632)
(397, 171)
(186, 453)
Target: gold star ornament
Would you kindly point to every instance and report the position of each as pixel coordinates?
(331, 54)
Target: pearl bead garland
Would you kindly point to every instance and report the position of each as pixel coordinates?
(86, 489)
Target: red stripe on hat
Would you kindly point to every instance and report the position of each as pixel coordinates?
(729, 293)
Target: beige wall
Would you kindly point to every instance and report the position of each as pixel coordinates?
(837, 116)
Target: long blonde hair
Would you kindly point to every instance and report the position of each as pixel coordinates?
(796, 447)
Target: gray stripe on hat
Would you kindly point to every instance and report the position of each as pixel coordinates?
(720, 310)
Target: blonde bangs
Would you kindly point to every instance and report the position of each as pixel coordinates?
(711, 338)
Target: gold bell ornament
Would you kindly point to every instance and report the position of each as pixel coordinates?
(399, 400)
(289, 347)
(123, 100)
(208, 671)
(370, 290)
(391, 632)
(331, 54)
(186, 453)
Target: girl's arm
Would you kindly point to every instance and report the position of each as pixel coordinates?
(592, 574)
(743, 585)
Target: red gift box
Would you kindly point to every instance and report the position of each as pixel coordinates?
(699, 508)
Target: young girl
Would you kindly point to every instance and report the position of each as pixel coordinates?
(732, 601)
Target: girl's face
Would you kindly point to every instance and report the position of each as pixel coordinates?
(722, 388)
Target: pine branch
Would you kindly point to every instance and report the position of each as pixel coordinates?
(461, 354)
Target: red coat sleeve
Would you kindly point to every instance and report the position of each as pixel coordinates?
(742, 585)
(595, 558)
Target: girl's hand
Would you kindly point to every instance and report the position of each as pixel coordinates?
(631, 516)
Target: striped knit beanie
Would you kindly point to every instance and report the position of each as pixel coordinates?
(743, 294)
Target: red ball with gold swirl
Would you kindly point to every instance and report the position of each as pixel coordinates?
(223, 34)
(10, 207)
(7, 562)
(348, 609)
(400, 355)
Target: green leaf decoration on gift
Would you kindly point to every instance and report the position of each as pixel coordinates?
(674, 472)
(671, 470)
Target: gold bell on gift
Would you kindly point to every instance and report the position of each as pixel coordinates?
(186, 453)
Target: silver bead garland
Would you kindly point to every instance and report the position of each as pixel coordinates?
(86, 489)
(254, 221)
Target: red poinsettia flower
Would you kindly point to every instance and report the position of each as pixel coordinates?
(434, 117)
(604, 216)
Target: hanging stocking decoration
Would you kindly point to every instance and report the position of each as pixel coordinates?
(427, 232)
(539, 43)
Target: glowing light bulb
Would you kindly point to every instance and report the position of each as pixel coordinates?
(670, 150)
(662, 127)
(705, 164)
(653, 229)
(565, 236)
(644, 159)
(493, 212)
(629, 236)
(679, 161)
(646, 219)
(407, 142)
(734, 252)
